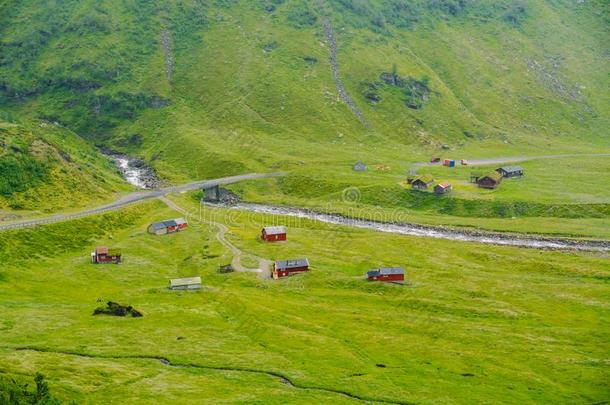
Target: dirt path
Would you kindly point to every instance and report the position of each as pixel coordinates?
(135, 198)
(264, 265)
(516, 159)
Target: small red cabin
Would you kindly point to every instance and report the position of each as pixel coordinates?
(283, 268)
(273, 233)
(387, 274)
(103, 255)
(442, 188)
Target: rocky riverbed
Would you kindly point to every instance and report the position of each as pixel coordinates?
(135, 171)
(438, 232)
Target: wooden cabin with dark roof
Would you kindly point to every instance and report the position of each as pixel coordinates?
(510, 171)
(422, 182)
(490, 180)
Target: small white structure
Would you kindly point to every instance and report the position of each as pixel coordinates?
(188, 283)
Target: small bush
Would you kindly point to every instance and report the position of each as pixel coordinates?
(14, 393)
(300, 16)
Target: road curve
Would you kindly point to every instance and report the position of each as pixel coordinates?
(516, 159)
(136, 197)
(263, 264)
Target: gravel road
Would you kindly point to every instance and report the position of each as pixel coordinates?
(135, 198)
(517, 159)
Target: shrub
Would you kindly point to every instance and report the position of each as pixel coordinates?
(18, 173)
(14, 393)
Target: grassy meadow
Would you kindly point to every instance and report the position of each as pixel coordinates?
(565, 196)
(474, 323)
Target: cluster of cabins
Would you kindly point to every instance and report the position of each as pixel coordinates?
(105, 255)
(426, 181)
(493, 179)
(489, 180)
(280, 268)
(286, 268)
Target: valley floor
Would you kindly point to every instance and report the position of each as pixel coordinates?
(474, 323)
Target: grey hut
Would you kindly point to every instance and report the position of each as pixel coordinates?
(188, 283)
(510, 171)
(359, 167)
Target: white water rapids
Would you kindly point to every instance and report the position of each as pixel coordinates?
(133, 175)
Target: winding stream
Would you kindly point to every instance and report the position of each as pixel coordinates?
(438, 232)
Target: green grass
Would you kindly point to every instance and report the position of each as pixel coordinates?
(252, 90)
(528, 325)
(564, 196)
(47, 168)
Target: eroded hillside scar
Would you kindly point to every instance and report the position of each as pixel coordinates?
(331, 41)
(166, 46)
(167, 362)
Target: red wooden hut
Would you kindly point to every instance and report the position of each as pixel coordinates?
(273, 233)
(442, 188)
(283, 268)
(103, 255)
(387, 274)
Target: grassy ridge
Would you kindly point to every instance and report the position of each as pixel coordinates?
(46, 167)
(474, 323)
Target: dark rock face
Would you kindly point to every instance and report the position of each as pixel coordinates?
(224, 196)
(115, 309)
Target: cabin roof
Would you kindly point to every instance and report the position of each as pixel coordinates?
(274, 230)
(385, 271)
(511, 169)
(291, 264)
(184, 281)
(443, 185)
(492, 175)
(170, 222)
(158, 225)
(426, 179)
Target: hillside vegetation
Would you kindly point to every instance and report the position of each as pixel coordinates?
(46, 168)
(207, 88)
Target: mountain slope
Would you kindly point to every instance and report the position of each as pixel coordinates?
(46, 167)
(208, 88)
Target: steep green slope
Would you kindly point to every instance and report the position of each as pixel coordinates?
(204, 88)
(47, 167)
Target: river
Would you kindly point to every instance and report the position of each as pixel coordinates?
(428, 231)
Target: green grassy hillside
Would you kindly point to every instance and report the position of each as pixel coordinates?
(206, 88)
(474, 323)
(45, 167)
